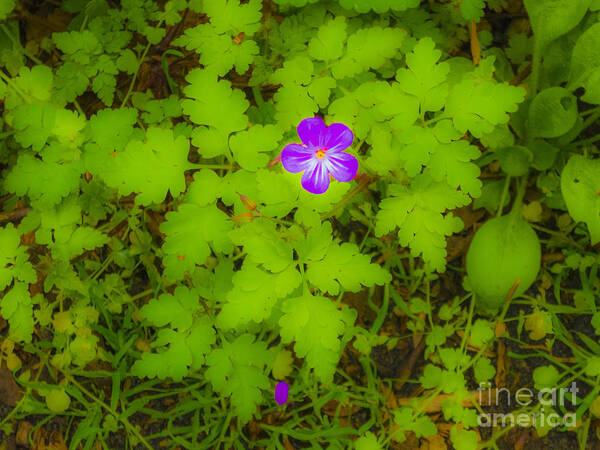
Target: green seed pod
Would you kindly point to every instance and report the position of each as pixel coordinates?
(505, 249)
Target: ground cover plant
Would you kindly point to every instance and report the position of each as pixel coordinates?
(293, 224)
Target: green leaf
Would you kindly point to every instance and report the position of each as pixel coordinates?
(520, 46)
(112, 129)
(214, 102)
(264, 245)
(481, 332)
(592, 88)
(229, 16)
(552, 113)
(592, 366)
(379, 6)
(151, 168)
(127, 62)
(205, 189)
(551, 19)
(425, 77)
(249, 147)
(585, 64)
(320, 89)
(368, 48)
(463, 439)
(158, 110)
(515, 160)
(58, 400)
(210, 142)
(178, 352)
(104, 85)
(453, 358)
(35, 83)
(367, 442)
(292, 101)
(586, 55)
(62, 232)
(292, 104)
(82, 238)
(219, 53)
(580, 184)
(33, 124)
(345, 264)
(452, 163)
(278, 191)
(14, 261)
(479, 106)
(46, 182)
(491, 194)
(472, 9)
(329, 42)
(318, 240)
(408, 421)
(16, 307)
(68, 126)
(237, 370)
(483, 370)
(417, 211)
(254, 295)
(176, 310)
(544, 154)
(436, 337)
(6, 8)
(432, 377)
(545, 377)
(70, 81)
(315, 324)
(189, 230)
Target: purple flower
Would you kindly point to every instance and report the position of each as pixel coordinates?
(281, 392)
(321, 155)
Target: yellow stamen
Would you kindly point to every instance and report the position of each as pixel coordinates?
(320, 154)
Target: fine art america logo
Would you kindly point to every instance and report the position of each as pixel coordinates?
(549, 399)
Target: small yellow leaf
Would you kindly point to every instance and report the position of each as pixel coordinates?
(595, 407)
(538, 324)
(12, 362)
(282, 366)
(532, 211)
(57, 400)
(62, 322)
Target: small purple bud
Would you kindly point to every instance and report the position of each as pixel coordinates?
(281, 392)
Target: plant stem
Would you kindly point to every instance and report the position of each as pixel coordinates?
(125, 422)
(135, 75)
(214, 166)
(535, 67)
(504, 194)
(16, 43)
(517, 207)
(257, 96)
(349, 196)
(13, 85)
(588, 141)
(591, 119)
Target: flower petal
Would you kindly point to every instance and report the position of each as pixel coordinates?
(312, 132)
(316, 179)
(296, 158)
(338, 137)
(343, 166)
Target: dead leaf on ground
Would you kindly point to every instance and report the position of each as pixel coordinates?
(22, 434)
(44, 440)
(10, 392)
(500, 378)
(435, 442)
